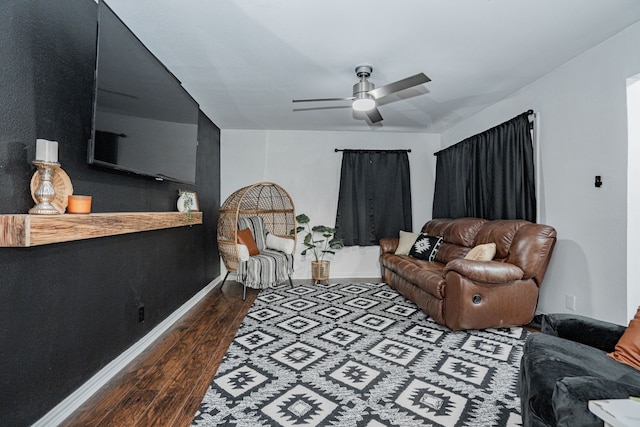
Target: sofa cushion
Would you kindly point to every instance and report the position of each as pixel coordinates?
(500, 232)
(436, 227)
(458, 236)
(556, 357)
(426, 275)
(246, 238)
(407, 239)
(484, 252)
(484, 272)
(628, 347)
(571, 397)
(398, 263)
(448, 252)
(459, 231)
(426, 247)
(586, 330)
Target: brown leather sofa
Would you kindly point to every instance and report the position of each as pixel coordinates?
(469, 294)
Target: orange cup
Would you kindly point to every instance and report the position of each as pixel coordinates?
(79, 204)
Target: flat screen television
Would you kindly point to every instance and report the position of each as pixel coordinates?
(144, 121)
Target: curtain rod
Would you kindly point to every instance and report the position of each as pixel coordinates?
(528, 113)
(531, 113)
(408, 150)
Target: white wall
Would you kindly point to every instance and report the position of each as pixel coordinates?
(633, 207)
(304, 163)
(582, 115)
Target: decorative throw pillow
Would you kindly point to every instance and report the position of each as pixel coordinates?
(243, 253)
(407, 240)
(281, 244)
(246, 238)
(426, 247)
(484, 252)
(628, 347)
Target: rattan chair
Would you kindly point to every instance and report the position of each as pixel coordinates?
(273, 205)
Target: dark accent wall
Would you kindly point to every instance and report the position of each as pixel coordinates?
(68, 309)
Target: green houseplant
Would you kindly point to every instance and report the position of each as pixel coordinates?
(187, 204)
(319, 241)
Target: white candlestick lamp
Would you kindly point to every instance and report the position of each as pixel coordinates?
(47, 163)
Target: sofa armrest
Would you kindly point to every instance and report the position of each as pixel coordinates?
(485, 271)
(585, 330)
(571, 397)
(389, 244)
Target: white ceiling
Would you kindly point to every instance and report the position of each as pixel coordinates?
(245, 60)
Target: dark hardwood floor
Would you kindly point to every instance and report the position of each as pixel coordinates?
(166, 383)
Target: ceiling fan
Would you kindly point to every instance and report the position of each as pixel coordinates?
(365, 94)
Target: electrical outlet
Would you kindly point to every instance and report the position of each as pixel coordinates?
(570, 302)
(141, 313)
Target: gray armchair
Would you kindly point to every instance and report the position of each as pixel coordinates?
(566, 365)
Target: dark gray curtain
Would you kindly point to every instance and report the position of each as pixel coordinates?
(489, 175)
(375, 196)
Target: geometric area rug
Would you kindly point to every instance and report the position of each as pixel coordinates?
(360, 355)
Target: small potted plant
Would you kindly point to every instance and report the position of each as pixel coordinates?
(319, 241)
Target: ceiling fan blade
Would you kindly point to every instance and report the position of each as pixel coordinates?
(351, 98)
(403, 84)
(333, 107)
(374, 115)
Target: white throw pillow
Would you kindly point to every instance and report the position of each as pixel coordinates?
(484, 252)
(243, 252)
(281, 244)
(407, 240)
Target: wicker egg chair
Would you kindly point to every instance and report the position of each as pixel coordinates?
(273, 206)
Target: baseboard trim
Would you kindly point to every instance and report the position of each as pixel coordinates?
(65, 408)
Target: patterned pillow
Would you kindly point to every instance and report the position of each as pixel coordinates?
(426, 247)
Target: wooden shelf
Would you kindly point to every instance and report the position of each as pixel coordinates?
(33, 230)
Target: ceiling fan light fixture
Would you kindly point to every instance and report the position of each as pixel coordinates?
(364, 103)
(362, 100)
